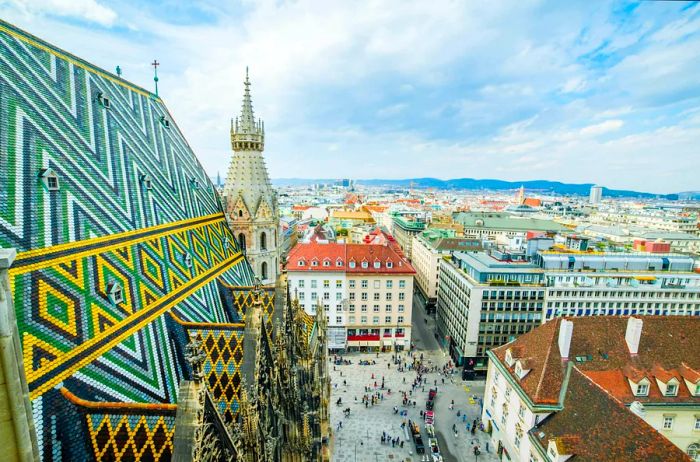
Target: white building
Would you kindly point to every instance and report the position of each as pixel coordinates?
(366, 290)
(597, 388)
(596, 194)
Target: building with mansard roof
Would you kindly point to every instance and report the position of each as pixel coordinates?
(251, 203)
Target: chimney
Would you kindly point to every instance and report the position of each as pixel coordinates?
(566, 330)
(633, 334)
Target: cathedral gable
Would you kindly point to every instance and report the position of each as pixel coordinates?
(239, 209)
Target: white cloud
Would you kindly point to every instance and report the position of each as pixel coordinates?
(602, 128)
(88, 10)
(574, 85)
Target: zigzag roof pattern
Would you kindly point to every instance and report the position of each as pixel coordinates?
(128, 228)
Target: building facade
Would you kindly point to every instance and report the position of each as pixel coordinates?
(365, 289)
(597, 388)
(251, 203)
(404, 230)
(595, 195)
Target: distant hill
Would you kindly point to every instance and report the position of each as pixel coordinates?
(554, 187)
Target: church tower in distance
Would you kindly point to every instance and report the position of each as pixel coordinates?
(251, 203)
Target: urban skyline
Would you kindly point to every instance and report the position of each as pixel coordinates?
(515, 92)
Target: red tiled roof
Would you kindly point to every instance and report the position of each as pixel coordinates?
(532, 202)
(308, 252)
(593, 426)
(691, 375)
(665, 350)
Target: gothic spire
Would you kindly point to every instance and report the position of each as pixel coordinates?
(247, 118)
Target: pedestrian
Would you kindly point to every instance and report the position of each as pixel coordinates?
(464, 418)
(487, 450)
(443, 381)
(487, 446)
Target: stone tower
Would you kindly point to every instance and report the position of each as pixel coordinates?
(251, 203)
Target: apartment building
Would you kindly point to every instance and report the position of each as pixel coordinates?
(365, 289)
(490, 225)
(485, 301)
(403, 230)
(428, 247)
(582, 284)
(488, 299)
(597, 388)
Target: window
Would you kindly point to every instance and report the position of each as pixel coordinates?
(339, 263)
(389, 284)
(263, 270)
(338, 296)
(642, 389)
(364, 283)
(387, 319)
(314, 296)
(507, 394)
(146, 181)
(300, 284)
(263, 241)
(671, 389)
(521, 411)
(363, 319)
(314, 263)
(351, 284)
(365, 264)
(399, 319)
(377, 283)
(668, 422)
(363, 308)
(389, 264)
(402, 284)
(339, 319)
(351, 264)
(326, 296)
(338, 284)
(388, 308)
(241, 242)
(375, 320)
(115, 293)
(326, 307)
(301, 296)
(401, 308)
(375, 308)
(376, 296)
(314, 283)
(377, 265)
(326, 263)
(352, 295)
(351, 308)
(697, 423)
(388, 296)
(402, 296)
(326, 283)
(364, 295)
(351, 319)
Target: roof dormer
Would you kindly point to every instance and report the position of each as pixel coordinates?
(640, 387)
(691, 378)
(326, 261)
(522, 367)
(314, 262)
(377, 264)
(558, 450)
(339, 262)
(669, 387)
(509, 358)
(301, 262)
(351, 264)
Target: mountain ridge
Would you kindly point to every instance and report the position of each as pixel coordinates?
(556, 187)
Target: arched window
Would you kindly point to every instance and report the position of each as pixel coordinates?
(240, 213)
(241, 241)
(263, 241)
(263, 270)
(694, 451)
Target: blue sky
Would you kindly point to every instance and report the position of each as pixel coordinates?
(601, 92)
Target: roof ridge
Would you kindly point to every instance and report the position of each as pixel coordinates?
(546, 360)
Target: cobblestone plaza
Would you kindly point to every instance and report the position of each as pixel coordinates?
(358, 436)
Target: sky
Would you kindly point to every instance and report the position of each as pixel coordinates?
(573, 91)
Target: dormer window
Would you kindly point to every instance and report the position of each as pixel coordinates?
(518, 370)
(164, 122)
(103, 100)
(642, 389)
(187, 260)
(314, 263)
(352, 264)
(697, 390)
(389, 264)
(365, 264)
(339, 263)
(509, 358)
(194, 183)
(49, 178)
(326, 263)
(146, 181)
(377, 265)
(671, 389)
(301, 263)
(115, 293)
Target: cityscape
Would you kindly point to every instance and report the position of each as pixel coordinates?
(178, 287)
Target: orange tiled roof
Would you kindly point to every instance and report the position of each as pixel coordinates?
(339, 256)
(665, 351)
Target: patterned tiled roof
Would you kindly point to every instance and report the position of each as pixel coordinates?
(593, 426)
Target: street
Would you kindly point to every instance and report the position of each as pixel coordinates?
(358, 435)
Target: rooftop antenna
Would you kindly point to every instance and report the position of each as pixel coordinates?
(155, 65)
